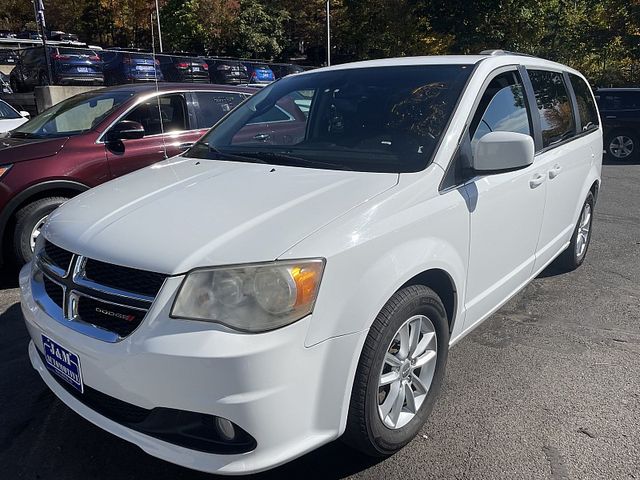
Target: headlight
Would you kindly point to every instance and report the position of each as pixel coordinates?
(250, 298)
(4, 169)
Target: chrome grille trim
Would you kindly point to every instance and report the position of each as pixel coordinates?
(80, 278)
(75, 286)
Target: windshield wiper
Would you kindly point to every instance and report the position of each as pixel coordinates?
(241, 156)
(292, 160)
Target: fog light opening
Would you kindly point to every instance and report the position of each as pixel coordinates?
(226, 429)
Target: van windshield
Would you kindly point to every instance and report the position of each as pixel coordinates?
(73, 116)
(376, 119)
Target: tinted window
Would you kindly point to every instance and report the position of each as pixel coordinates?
(171, 107)
(502, 108)
(378, 119)
(554, 107)
(274, 114)
(212, 106)
(620, 100)
(7, 112)
(586, 106)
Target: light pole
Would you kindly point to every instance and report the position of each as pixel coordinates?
(328, 33)
(159, 31)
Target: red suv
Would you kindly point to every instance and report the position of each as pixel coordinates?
(94, 137)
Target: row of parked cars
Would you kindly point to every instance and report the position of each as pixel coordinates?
(81, 66)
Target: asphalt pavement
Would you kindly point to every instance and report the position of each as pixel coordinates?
(548, 387)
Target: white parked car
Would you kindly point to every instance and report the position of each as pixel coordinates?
(298, 276)
(11, 118)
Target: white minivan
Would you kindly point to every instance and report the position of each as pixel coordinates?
(301, 272)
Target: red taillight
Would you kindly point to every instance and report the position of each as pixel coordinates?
(182, 65)
(157, 62)
(57, 56)
(205, 66)
(94, 58)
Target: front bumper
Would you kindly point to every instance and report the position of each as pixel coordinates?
(289, 398)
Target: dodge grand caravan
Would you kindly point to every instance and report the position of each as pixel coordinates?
(301, 272)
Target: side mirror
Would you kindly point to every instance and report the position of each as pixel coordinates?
(24, 114)
(126, 130)
(499, 151)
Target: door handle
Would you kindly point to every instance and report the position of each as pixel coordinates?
(610, 116)
(537, 180)
(555, 171)
(261, 136)
(185, 145)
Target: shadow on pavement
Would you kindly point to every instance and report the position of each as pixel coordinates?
(8, 277)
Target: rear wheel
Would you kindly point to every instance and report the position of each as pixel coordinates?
(576, 252)
(400, 372)
(43, 79)
(622, 146)
(14, 85)
(29, 222)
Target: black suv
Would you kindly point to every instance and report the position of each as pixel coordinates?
(225, 71)
(283, 69)
(620, 113)
(69, 66)
(178, 68)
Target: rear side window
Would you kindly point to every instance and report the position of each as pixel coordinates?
(586, 106)
(554, 106)
(502, 108)
(212, 106)
(620, 100)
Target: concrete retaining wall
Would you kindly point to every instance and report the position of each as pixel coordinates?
(48, 96)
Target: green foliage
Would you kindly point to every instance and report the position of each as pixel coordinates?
(598, 37)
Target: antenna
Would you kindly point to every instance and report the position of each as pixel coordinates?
(155, 78)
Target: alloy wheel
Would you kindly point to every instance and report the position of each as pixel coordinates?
(35, 232)
(621, 146)
(584, 230)
(407, 372)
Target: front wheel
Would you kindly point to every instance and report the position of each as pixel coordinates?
(29, 221)
(400, 372)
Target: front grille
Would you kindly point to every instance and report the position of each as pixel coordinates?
(121, 320)
(99, 299)
(124, 278)
(55, 292)
(57, 256)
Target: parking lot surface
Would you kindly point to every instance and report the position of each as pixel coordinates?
(548, 387)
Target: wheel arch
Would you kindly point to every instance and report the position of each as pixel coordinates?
(50, 188)
(441, 282)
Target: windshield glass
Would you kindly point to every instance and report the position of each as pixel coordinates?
(378, 119)
(72, 116)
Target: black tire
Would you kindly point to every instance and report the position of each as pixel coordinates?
(569, 260)
(365, 429)
(43, 79)
(26, 219)
(15, 86)
(635, 145)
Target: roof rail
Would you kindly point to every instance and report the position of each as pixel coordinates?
(498, 51)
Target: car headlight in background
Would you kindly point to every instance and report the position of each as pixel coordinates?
(251, 298)
(4, 169)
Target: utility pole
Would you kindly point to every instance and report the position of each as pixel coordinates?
(39, 8)
(328, 33)
(159, 30)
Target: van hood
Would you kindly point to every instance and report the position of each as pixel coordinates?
(14, 149)
(184, 213)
